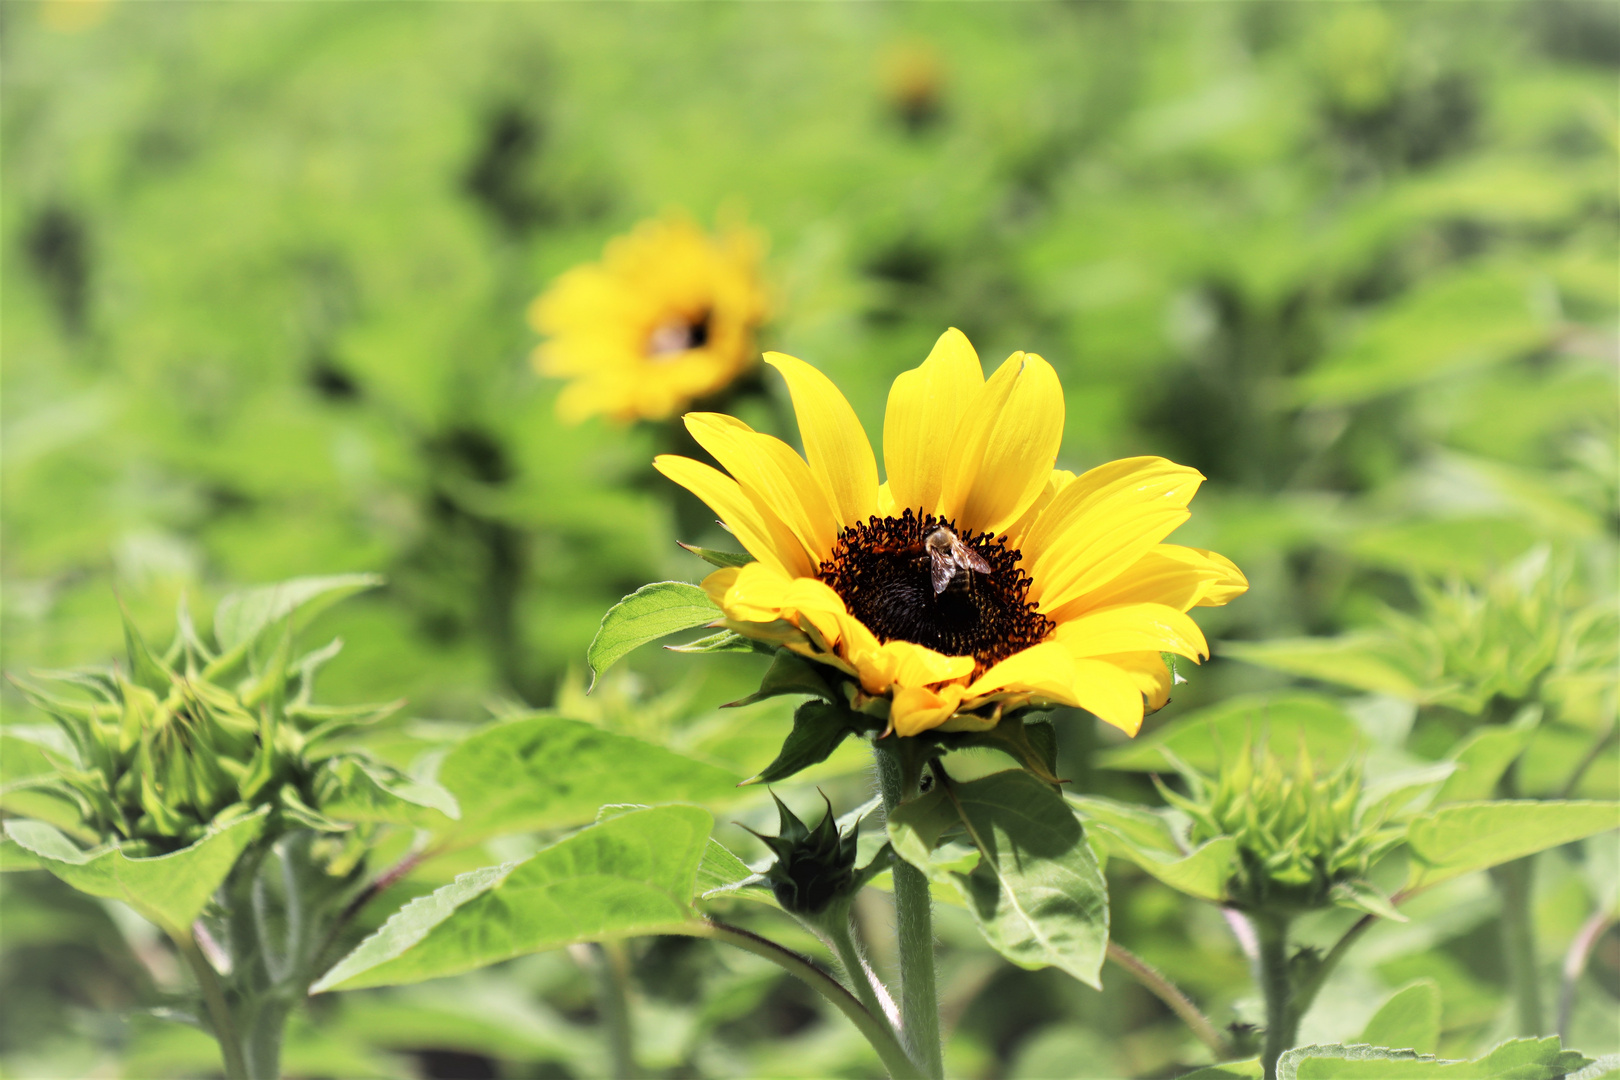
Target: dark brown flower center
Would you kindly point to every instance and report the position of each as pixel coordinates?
(885, 571)
(678, 335)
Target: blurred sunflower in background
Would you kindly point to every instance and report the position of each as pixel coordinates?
(977, 579)
(666, 318)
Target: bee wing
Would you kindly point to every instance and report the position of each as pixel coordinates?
(944, 568)
(966, 556)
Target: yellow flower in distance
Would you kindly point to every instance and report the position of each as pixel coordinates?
(977, 578)
(667, 317)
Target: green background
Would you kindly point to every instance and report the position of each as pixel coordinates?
(264, 275)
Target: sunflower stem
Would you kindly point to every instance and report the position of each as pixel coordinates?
(1276, 986)
(899, 767)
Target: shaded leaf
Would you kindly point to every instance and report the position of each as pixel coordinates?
(631, 874)
(651, 612)
(818, 729)
(789, 673)
(1036, 891)
(1370, 662)
(1482, 758)
(359, 790)
(1140, 836)
(1409, 1020)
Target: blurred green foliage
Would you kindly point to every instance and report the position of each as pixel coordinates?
(264, 269)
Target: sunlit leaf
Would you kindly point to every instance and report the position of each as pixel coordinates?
(629, 875)
(171, 889)
(651, 612)
(543, 772)
(1409, 1020)
(242, 616)
(1203, 737)
(1462, 837)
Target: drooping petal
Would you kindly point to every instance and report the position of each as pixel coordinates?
(1101, 524)
(771, 475)
(1002, 450)
(1108, 693)
(1148, 671)
(764, 534)
(925, 405)
(916, 709)
(835, 444)
(1133, 628)
(1047, 669)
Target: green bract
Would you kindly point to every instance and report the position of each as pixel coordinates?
(186, 742)
(1302, 840)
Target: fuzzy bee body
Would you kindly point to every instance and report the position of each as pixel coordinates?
(947, 555)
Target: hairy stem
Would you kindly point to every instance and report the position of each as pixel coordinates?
(1514, 882)
(867, 987)
(874, 1028)
(1167, 992)
(219, 1011)
(899, 772)
(1271, 972)
(266, 1030)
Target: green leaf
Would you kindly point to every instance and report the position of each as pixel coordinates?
(719, 558)
(790, 673)
(1140, 836)
(1201, 738)
(1036, 892)
(144, 668)
(170, 890)
(1463, 837)
(1371, 662)
(1248, 1069)
(243, 616)
(1409, 1020)
(628, 875)
(818, 729)
(1484, 756)
(1366, 898)
(1453, 322)
(1516, 1059)
(14, 857)
(544, 772)
(1606, 1067)
(651, 612)
(724, 641)
(722, 873)
(356, 789)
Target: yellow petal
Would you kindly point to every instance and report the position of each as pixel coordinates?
(1056, 482)
(764, 534)
(916, 709)
(1098, 526)
(1133, 628)
(1002, 451)
(772, 476)
(1231, 583)
(719, 583)
(1108, 693)
(1148, 671)
(1047, 668)
(835, 444)
(925, 405)
(1166, 574)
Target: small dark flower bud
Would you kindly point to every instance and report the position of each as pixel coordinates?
(813, 866)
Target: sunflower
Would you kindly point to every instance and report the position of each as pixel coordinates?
(667, 317)
(977, 579)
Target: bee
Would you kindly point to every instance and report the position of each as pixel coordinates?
(947, 555)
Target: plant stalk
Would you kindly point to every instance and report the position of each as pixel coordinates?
(874, 1028)
(899, 773)
(1580, 950)
(1514, 884)
(859, 973)
(1272, 974)
(613, 982)
(219, 1011)
(266, 1030)
(1169, 993)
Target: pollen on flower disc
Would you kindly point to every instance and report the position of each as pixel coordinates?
(882, 571)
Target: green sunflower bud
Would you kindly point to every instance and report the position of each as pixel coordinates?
(813, 867)
(1304, 840)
